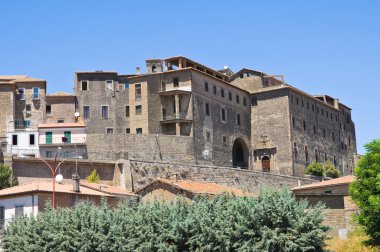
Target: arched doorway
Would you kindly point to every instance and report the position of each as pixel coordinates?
(240, 154)
(265, 164)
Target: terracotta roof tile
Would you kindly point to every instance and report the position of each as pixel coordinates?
(44, 186)
(107, 188)
(60, 94)
(203, 187)
(61, 125)
(332, 182)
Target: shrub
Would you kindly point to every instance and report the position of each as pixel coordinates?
(365, 192)
(274, 221)
(315, 169)
(330, 170)
(93, 177)
(6, 177)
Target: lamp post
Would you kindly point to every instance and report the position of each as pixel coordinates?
(53, 171)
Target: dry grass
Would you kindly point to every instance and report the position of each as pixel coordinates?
(352, 244)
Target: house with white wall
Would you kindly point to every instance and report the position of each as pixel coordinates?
(70, 137)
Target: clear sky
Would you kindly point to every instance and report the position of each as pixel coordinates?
(322, 47)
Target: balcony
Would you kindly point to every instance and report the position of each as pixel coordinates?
(181, 117)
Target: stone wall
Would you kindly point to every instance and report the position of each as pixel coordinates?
(141, 147)
(144, 173)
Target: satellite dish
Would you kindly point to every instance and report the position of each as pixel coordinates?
(206, 152)
(59, 178)
(76, 114)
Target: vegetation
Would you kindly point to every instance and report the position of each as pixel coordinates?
(365, 192)
(93, 177)
(323, 170)
(354, 243)
(274, 221)
(6, 177)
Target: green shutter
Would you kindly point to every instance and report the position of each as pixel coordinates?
(68, 136)
(49, 137)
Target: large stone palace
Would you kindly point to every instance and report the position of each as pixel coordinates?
(178, 111)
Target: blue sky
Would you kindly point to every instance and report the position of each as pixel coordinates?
(322, 47)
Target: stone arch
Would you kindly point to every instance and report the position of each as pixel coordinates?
(240, 154)
(265, 163)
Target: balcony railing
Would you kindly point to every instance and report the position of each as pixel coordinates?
(180, 116)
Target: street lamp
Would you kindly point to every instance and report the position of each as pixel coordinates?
(54, 172)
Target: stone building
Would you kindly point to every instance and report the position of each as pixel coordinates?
(22, 107)
(248, 119)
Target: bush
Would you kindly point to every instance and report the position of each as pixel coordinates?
(354, 243)
(274, 221)
(365, 192)
(93, 177)
(6, 177)
(315, 169)
(330, 170)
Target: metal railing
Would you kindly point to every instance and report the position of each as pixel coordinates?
(181, 116)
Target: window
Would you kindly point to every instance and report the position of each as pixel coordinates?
(138, 91)
(2, 218)
(297, 101)
(109, 85)
(206, 86)
(207, 108)
(307, 105)
(237, 99)
(316, 155)
(214, 90)
(175, 82)
(327, 114)
(224, 139)
(333, 136)
(14, 140)
(28, 107)
(244, 101)
(223, 114)
(208, 135)
(138, 110)
(84, 85)
(334, 161)
(86, 112)
(163, 86)
(349, 141)
(109, 130)
(32, 140)
(126, 86)
(21, 94)
(293, 121)
(230, 96)
(139, 131)
(127, 131)
(49, 154)
(322, 112)
(306, 155)
(126, 111)
(49, 137)
(302, 102)
(60, 121)
(36, 93)
(336, 118)
(295, 151)
(254, 101)
(48, 110)
(312, 108)
(325, 156)
(324, 133)
(27, 124)
(105, 112)
(315, 129)
(304, 125)
(238, 121)
(19, 211)
(222, 93)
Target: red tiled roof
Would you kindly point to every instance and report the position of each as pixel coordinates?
(202, 187)
(60, 94)
(107, 188)
(332, 182)
(61, 125)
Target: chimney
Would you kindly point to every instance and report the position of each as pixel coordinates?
(76, 182)
(138, 70)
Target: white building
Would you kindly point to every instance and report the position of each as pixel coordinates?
(71, 137)
(22, 143)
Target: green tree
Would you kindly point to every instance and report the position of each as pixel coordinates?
(315, 169)
(365, 191)
(330, 170)
(274, 221)
(93, 177)
(6, 177)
